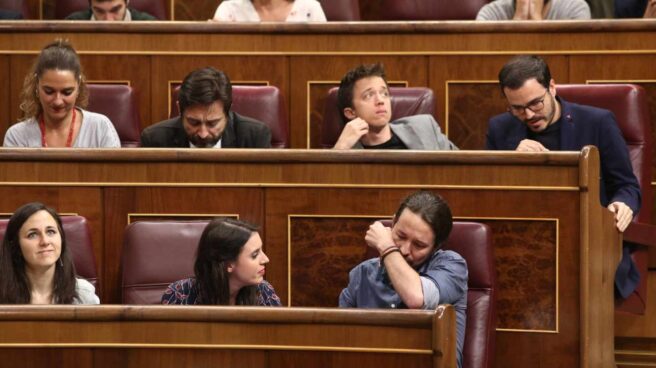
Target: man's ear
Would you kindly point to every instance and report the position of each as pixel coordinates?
(552, 87)
(350, 113)
(177, 104)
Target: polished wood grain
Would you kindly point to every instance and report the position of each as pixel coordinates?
(260, 336)
(275, 188)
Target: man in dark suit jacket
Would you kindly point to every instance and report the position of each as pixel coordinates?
(537, 120)
(110, 10)
(205, 119)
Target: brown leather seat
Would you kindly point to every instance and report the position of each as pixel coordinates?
(19, 6)
(156, 8)
(146, 272)
(263, 103)
(406, 101)
(473, 241)
(629, 104)
(78, 239)
(341, 10)
(120, 104)
(430, 9)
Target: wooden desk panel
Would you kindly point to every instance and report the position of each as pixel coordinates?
(264, 337)
(551, 197)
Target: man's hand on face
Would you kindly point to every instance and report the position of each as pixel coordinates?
(351, 134)
(528, 9)
(535, 10)
(528, 145)
(650, 11)
(522, 9)
(379, 236)
(623, 215)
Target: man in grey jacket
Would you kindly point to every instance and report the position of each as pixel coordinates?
(534, 10)
(363, 99)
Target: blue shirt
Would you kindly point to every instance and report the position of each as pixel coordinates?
(370, 287)
(184, 292)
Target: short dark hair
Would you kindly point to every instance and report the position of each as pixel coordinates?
(521, 68)
(433, 209)
(345, 91)
(15, 287)
(203, 87)
(221, 242)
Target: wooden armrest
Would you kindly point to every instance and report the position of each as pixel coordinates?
(641, 233)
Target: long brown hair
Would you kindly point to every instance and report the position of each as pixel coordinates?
(221, 242)
(15, 287)
(57, 55)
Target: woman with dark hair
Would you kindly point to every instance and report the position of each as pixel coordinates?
(52, 100)
(229, 269)
(35, 261)
(269, 11)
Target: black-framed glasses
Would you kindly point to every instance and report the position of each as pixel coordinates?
(535, 105)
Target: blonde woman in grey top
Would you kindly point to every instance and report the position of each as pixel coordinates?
(52, 100)
(534, 10)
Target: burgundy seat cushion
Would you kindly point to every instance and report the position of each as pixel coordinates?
(473, 241)
(263, 103)
(155, 254)
(78, 239)
(120, 104)
(430, 9)
(156, 8)
(629, 104)
(405, 102)
(341, 10)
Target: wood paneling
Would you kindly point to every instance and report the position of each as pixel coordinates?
(175, 336)
(5, 104)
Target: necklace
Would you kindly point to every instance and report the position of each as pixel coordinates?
(71, 128)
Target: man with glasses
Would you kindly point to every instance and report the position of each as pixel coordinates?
(365, 105)
(537, 121)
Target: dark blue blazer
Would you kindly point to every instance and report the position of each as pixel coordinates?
(581, 126)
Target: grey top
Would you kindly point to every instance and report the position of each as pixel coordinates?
(443, 279)
(560, 9)
(96, 131)
(86, 293)
(419, 132)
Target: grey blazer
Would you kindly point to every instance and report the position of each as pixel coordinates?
(420, 132)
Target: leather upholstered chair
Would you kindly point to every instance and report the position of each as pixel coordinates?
(155, 254)
(19, 6)
(120, 104)
(78, 239)
(263, 103)
(156, 8)
(629, 104)
(430, 9)
(341, 10)
(406, 101)
(473, 241)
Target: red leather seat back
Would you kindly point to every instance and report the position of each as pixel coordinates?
(263, 103)
(628, 102)
(156, 8)
(473, 241)
(406, 101)
(20, 6)
(430, 9)
(120, 104)
(78, 240)
(155, 254)
(341, 10)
